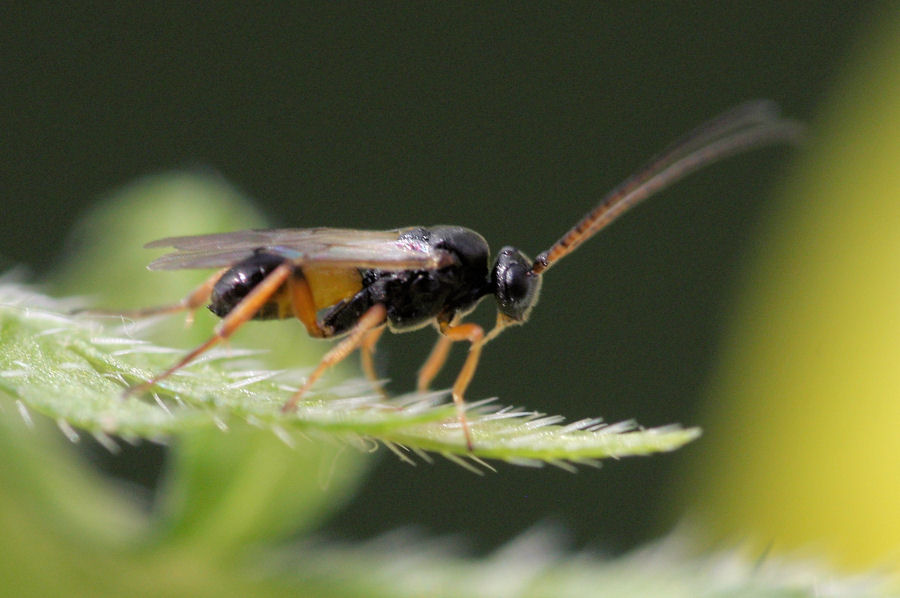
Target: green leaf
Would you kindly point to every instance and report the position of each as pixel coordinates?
(74, 369)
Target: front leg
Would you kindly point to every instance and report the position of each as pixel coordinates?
(475, 335)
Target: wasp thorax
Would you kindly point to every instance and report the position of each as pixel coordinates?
(516, 287)
(239, 280)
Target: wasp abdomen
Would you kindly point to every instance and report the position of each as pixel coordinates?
(240, 279)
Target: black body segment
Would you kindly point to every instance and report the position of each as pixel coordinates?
(414, 298)
(240, 279)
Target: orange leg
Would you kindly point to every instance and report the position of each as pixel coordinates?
(304, 306)
(190, 303)
(366, 351)
(242, 312)
(475, 335)
(369, 321)
(436, 360)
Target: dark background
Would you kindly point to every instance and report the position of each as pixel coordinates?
(509, 119)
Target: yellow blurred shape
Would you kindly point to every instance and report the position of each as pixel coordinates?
(802, 446)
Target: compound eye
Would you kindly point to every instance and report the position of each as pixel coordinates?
(516, 282)
(515, 286)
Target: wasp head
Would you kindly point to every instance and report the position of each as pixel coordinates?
(515, 286)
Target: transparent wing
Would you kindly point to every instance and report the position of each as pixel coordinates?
(337, 247)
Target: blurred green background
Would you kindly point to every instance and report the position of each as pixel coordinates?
(511, 120)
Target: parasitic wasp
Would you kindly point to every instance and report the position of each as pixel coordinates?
(354, 284)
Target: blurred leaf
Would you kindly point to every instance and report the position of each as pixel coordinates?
(803, 445)
(534, 566)
(43, 482)
(105, 257)
(265, 485)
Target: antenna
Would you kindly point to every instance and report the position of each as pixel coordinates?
(745, 127)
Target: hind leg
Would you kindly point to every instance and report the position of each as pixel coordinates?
(190, 303)
(242, 312)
